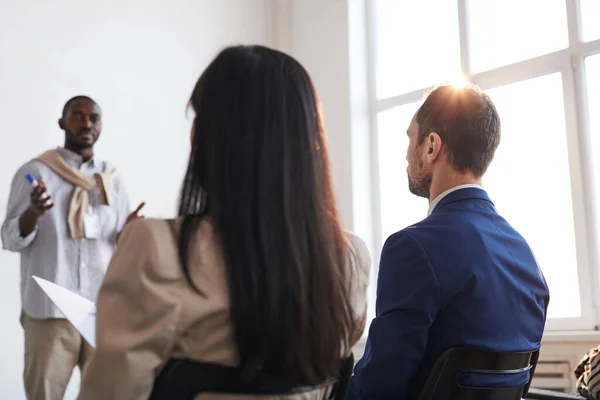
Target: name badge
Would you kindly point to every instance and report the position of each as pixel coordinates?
(91, 223)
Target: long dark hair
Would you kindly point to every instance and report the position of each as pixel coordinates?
(259, 167)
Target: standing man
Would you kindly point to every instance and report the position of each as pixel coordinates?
(462, 277)
(65, 229)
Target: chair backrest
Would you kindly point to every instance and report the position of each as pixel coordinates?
(539, 394)
(185, 379)
(443, 384)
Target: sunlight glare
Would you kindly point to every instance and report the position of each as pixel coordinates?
(459, 82)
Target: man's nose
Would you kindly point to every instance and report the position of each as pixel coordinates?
(87, 123)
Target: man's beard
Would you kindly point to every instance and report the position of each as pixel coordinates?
(72, 140)
(419, 185)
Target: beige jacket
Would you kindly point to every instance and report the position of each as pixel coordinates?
(147, 312)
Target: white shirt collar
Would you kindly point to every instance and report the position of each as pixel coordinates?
(437, 200)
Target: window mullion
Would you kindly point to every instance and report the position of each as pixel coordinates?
(575, 80)
(376, 238)
(582, 193)
(463, 32)
(574, 22)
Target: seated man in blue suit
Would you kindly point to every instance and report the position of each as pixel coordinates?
(463, 277)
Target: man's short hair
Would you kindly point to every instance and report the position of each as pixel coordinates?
(468, 123)
(73, 100)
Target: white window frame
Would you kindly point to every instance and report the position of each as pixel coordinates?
(570, 63)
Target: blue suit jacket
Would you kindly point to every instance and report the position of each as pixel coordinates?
(463, 277)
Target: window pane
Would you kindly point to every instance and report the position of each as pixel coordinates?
(503, 32)
(529, 182)
(590, 15)
(417, 44)
(399, 208)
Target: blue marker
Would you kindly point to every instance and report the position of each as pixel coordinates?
(32, 180)
(34, 183)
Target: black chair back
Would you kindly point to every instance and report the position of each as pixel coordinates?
(442, 383)
(540, 394)
(184, 379)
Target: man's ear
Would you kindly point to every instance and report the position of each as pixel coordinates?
(434, 146)
(61, 124)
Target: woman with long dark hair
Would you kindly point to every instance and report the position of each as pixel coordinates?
(256, 272)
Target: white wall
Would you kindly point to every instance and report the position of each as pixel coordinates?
(318, 39)
(139, 59)
(329, 38)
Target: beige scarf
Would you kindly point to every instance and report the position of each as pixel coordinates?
(79, 204)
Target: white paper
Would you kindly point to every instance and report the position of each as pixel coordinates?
(80, 311)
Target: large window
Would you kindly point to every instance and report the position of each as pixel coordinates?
(539, 60)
